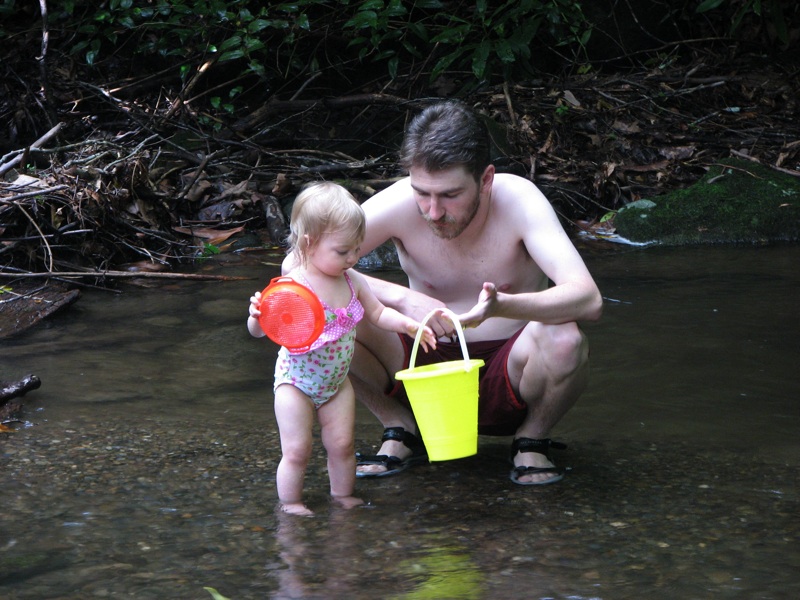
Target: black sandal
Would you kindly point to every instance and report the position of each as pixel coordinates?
(539, 447)
(393, 464)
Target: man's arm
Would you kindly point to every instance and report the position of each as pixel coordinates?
(574, 296)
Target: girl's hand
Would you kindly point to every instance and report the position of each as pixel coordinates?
(428, 339)
(255, 305)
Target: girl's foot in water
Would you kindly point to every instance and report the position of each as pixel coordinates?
(347, 502)
(296, 508)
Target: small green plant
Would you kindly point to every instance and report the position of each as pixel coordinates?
(215, 594)
(228, 107)
(209, 250)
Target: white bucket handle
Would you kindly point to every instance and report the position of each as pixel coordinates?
(450, 315)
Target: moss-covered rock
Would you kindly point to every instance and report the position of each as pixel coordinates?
(736, 201)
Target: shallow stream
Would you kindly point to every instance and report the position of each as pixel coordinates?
(146, 466)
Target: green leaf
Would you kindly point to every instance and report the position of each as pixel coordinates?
(707, 5)
(444, 63)
(419, 30)
(372, 5)
(452, 34)
(232, 41)
(215, 594)
(395, 9)
(303, 22)
(362, 19)
(479, 58)
(504, 52)
(253, 44)
(232, 55)
(258, 25)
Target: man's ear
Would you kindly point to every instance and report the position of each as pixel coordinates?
(487, 178)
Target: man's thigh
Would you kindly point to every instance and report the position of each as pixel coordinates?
(379, 354)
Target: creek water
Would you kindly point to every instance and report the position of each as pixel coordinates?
(146, 464)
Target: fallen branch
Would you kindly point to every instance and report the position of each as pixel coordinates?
(12, 389)
(124, 274)
(5, 167)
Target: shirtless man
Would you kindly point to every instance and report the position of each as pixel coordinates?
(483, 244)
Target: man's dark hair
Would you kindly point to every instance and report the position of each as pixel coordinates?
(446, 135)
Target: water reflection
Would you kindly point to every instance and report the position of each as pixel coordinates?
(440, 572)
(326, 557)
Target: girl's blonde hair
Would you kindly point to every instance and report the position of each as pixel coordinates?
(323, 208)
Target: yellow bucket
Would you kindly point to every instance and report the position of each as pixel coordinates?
(444, 398)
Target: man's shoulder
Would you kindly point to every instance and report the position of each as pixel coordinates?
(398, 191)
(513, 182)
(393, 202)
(517, 191)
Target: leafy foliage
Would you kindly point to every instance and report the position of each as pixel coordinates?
(485, 38)
(229, 29)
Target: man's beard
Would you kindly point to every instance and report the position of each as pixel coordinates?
(452, 227)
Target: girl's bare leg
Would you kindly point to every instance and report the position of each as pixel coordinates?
(294, 412)
(337, 421)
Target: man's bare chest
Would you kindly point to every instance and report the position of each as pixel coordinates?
(451, 271)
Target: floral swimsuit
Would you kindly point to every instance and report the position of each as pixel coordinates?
(320, 371)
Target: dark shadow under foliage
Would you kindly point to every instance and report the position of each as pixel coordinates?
(162, 158)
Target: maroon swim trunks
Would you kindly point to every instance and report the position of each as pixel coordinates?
(500, 412)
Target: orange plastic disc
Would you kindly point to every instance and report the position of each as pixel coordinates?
(291, 314)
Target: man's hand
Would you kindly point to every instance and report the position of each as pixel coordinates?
(485, 308)
(417, 306)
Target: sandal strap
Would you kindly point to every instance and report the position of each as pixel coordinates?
(535, 470)
(399, 434)
(531, 445)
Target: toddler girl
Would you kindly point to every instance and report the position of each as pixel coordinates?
(327, 227)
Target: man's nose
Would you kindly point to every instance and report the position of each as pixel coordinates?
(435, 212)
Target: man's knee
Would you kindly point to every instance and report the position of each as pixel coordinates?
(570, 346)
(560, 348)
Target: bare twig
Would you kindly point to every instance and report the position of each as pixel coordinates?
(774, 167)
(13, 199)
(41, 235)
(4, 168)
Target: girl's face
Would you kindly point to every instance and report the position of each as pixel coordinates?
(334, 253)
